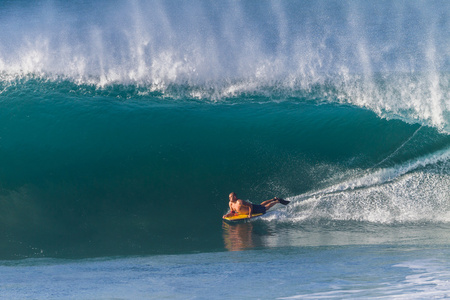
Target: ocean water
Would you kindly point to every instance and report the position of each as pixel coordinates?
(124, 125)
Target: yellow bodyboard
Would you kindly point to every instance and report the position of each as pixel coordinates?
(241, 217)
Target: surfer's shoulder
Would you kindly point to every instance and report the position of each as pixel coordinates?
(243, 202)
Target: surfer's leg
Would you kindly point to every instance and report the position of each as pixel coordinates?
(271, 204)
(268, 201)
(274, 201)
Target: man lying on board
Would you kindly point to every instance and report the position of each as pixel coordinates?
(238, 206)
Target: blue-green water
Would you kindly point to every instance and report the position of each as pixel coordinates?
(124, 126)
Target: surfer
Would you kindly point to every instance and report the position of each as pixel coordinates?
(238, 206)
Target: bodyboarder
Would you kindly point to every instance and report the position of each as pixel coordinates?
(238, 206)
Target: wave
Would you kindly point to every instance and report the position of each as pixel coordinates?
(407, 98)
(412, 192)
(366, 55)
(112, 111)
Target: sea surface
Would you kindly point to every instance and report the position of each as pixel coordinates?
(124, 125)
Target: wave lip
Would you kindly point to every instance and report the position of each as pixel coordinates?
(391, 97)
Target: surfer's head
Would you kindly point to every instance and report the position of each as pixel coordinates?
(232, 196)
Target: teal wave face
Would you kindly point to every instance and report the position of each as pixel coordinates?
(84, 171)
(124, 125)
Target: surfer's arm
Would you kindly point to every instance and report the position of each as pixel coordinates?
(229, 214)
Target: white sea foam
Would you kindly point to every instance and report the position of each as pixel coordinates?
(429, 281)
(417, 191)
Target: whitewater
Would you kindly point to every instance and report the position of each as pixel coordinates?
(124, 125)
